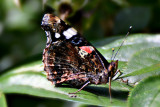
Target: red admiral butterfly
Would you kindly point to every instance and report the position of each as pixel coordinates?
(69, 58)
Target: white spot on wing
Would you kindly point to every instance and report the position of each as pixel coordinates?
(69, 33)
(48, 39)
(47, 33)
(72, 31)
(59, 21)
(83, 53)
(57, 35)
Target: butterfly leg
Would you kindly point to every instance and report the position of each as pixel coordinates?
(117, 74)
(125, 81)
(120, 73)
(81, 88)
(110, 79)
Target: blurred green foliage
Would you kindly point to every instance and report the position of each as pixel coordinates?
(22, 40)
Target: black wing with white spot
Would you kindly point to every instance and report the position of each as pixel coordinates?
(69, 57)
(58, 30)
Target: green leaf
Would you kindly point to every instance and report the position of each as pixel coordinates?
(2, 100)
(138, 48)
(146, 93)
(132, 44)
(143, 64)
(29, 79)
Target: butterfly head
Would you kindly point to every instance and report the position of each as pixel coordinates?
(112, 68)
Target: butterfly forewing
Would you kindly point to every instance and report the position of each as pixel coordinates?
(69, 57)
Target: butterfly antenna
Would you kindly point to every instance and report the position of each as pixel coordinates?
(123, 41)
(112, 53)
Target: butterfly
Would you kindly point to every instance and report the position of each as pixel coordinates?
(69, 58)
